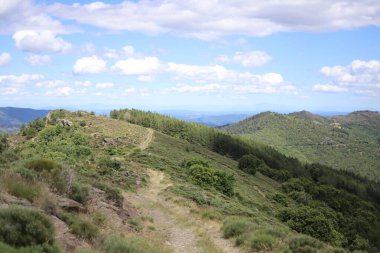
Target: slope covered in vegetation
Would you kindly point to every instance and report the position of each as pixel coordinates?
(11, 118)
(106, 185)
(349, 142)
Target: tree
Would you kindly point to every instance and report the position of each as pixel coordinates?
(249, 164)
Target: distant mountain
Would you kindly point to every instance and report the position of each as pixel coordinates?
(11, 118)
(348, 142)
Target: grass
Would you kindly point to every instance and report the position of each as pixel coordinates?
(20, 187)
(80, 226)
(234, 226)
(131, 244)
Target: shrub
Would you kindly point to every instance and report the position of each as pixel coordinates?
(4, 248)
(79, 226)
(31, 129)
(20, 188)
(201, 174)
(249, 164)
(41, 165)
(312, 221)
(22, 228)
(98, 218)
(281, 199)
(29, 175)
(119, 244)
(106, 163)
(79, 192)
(235, 226)
(259, 242)
(82, 123)
(305, 244)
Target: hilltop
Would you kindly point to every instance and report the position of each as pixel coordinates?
(12, 118)
(142, 182)
(350, 142)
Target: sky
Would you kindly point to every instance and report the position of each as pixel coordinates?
(201, 55)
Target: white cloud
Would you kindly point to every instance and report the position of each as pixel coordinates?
(38, 60)
(18, 15)
(84, 83)
(144, 92)
(11, 84)
(361, 77)
(213, 19)
(24, 78)
(89, 65)
(138, 66)
(145, 78)
(64, 91)
(246, 59)
(51, 83)
(199, 72)
(5, 59)
(40, 41)
(328, 88)
(129, 50)
(104, 85)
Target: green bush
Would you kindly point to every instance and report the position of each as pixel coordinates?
(235, 226)
(41, 165)
(22, 228)
(119, 244)
(82, 123)
(79, 226)
(79, 192)
(27, 174)
(312, 221)
(260, 242)
(31, 129)
(46, 248)
(249, 164)
(20, 188)
(281, 199)
(201, 174)
(305, 244)
(106, 165)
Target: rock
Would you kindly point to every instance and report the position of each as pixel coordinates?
(7, 199)
(64, 122)
(70, 205)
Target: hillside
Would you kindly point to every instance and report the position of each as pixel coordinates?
(11, 118)
(350, 142)
(142, 182)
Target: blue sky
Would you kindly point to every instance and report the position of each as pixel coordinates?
(206, 55)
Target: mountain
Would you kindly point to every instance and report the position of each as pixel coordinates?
(11, 118)
(143, 182)
(350, 142)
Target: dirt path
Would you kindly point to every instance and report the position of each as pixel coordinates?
(180, 229)
(143, 145)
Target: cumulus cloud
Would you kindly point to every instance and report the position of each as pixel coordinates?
(213, 19)
(216, 78)
(362, 77)
(18, 15)
(89, 65)
(40, 41)
(137, 66)
(5, 59)
(246, 59)
(11, 84)
(85, 83)
(51, 83)
(38, 60)
(63, 91)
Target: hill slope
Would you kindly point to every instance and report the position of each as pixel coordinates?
(12, 118)
(109, 186)
(350, 142)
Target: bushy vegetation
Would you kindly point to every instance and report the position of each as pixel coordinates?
(235, 226)
(31, 129)
(3, 142)
(202, 174)
(80, 226)
(249, 163)
(26, 231)
(119, 244)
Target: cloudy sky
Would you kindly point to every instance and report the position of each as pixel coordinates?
(225, 55)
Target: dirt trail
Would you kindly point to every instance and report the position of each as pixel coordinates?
(181, 230)
(174, 223)
(143, 145)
